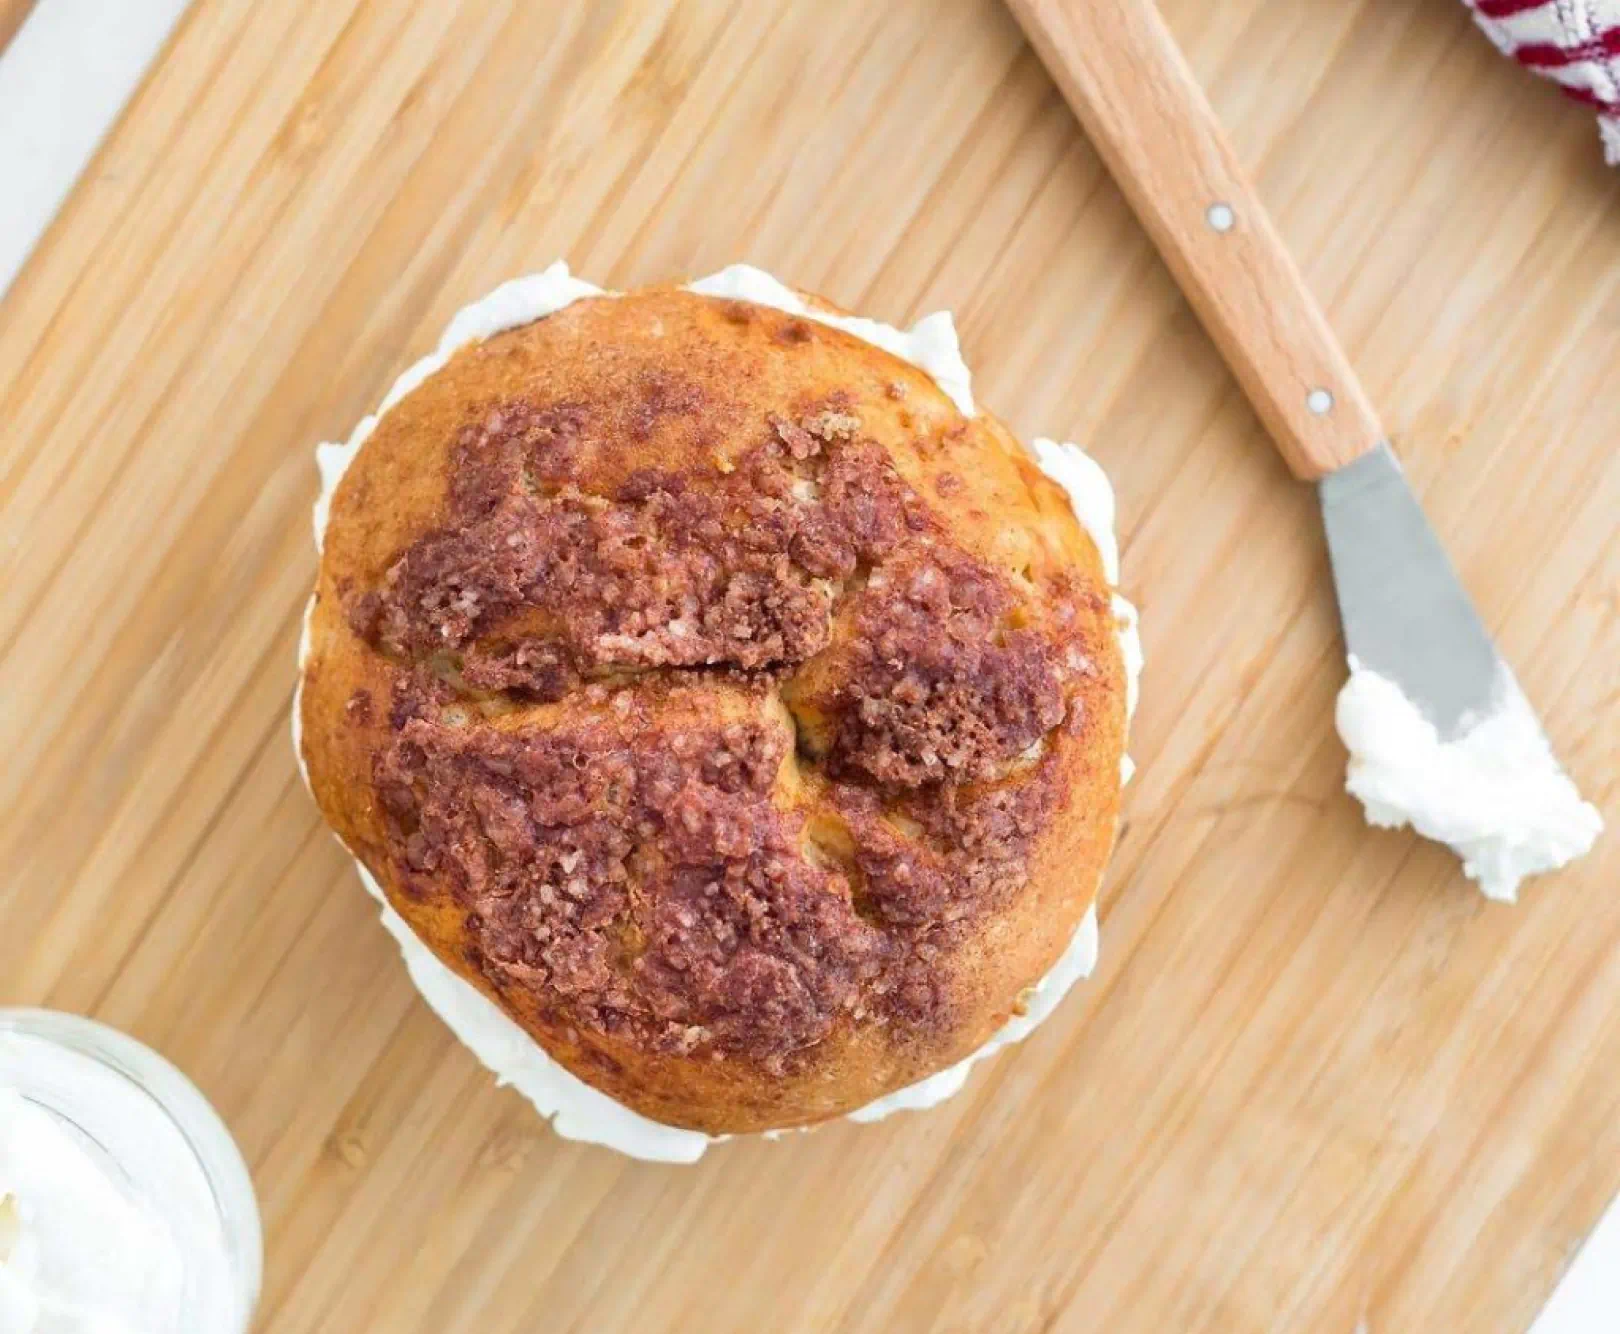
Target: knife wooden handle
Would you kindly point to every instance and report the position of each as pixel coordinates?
(1122, 73)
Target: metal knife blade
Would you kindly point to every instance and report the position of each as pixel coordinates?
(1406, 615)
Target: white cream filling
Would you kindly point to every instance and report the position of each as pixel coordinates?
(576, 1110)
(1495, 795)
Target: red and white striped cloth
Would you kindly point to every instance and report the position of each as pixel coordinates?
(1576, 43)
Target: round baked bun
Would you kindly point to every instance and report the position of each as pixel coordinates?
(709, 691)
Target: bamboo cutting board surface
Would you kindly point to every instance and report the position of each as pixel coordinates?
(1317, 1083)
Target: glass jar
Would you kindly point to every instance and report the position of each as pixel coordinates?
(153, 1138)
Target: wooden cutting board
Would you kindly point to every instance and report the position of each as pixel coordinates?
(1317, 1085)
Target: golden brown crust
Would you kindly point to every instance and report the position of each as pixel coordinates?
(703, 687)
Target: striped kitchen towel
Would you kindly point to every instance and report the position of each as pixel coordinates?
(1576, 43)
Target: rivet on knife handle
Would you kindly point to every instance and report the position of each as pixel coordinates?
(1128, 82)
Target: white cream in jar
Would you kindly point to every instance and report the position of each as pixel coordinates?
(124, 1205)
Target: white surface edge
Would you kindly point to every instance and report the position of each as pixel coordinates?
(63, 80)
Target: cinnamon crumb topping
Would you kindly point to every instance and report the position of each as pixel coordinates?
(643, 873)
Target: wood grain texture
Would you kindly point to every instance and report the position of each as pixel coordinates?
(1143, 110)
(1316, 1081)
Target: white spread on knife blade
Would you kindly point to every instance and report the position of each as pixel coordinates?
(577, 1110)
(1495, 795)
